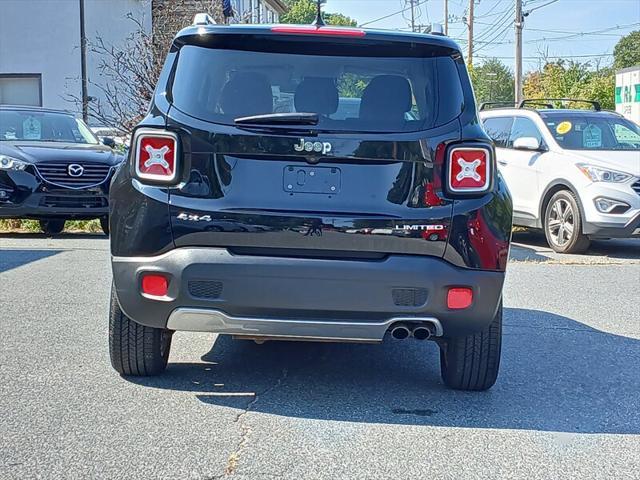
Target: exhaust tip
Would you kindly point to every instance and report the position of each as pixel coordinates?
(422, 333)
(400, 332)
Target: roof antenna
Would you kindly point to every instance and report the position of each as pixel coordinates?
(319, 21)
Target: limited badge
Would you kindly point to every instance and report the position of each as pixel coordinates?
(563, 127)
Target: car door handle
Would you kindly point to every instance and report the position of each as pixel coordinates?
(502, 162)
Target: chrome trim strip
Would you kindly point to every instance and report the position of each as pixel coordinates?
(215, 321)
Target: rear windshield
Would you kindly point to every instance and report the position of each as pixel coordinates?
(390, 94)
(589, 131)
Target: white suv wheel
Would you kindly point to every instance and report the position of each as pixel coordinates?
(563, 224)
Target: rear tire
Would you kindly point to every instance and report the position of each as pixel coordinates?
(104, 224)
(563, 224)
(136, 349)
(52, 227)
(472, 362)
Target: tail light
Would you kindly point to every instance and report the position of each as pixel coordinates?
(156, 155)
(469, 169)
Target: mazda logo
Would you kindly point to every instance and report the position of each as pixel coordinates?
(75, 170)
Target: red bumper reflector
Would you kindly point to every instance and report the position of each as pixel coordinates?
(459, 298)
(155, 285)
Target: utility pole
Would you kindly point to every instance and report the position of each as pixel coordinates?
(519, 23)
(83, 65)
(413, 17)
(470, 38)
(446, 17)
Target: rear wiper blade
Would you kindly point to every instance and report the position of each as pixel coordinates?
(297, 118)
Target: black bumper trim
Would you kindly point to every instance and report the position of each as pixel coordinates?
(306, 289)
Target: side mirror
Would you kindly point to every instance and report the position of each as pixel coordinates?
(528, 143)
(109, 142)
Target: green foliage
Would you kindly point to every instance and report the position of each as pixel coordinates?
(304, 12)
(90, 226)
(19, 225)
(627, 51)
(492, 82)
(351, 86)
(564, 79)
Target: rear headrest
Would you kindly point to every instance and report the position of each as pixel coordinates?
(246, 94)
(386, 96)
(317, 95)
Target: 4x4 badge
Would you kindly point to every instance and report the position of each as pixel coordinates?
(318, 147)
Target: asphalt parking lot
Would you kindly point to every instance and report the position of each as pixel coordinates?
(566, 404)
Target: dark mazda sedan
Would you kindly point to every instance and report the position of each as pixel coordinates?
(52, 168)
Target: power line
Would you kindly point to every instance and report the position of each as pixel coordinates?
(393, 14)
(534, 57)
(569, 36)
(539, 7)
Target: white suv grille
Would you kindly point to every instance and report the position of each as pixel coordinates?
(636, 187)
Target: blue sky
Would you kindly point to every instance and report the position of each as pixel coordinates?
(560, 20)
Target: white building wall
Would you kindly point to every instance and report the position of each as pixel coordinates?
(43, 37)
(108, 19)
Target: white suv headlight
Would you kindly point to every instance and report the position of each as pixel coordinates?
(10, 163)
(598, 174)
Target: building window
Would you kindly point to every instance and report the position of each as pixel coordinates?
(21, 89)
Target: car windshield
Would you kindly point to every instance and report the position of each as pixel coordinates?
(347, 93)
(37, 126)
(590, 131)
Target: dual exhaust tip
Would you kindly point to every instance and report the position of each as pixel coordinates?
(420, 332)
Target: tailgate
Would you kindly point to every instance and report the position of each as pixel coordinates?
(358, 197)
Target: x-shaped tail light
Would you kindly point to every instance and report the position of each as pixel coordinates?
(469, 169)
(156, 155)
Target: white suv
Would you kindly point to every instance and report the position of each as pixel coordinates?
(573, 173)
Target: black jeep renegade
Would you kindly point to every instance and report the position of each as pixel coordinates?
(311, 183)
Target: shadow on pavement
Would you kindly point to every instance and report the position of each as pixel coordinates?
(13, 258)
(557, 375)
(532, 245)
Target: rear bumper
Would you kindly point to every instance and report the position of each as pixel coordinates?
(213, 290)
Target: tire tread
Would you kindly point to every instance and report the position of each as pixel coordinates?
(472, 362)
(135, 349)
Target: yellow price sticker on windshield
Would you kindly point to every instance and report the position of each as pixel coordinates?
(563, 127)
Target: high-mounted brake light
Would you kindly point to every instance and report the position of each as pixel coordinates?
(156, 155)
(469, 169)
(315, 30)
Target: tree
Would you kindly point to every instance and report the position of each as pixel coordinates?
(492, 82)
(562, 79)
(129, 70)
(627, 51)
(304, 12)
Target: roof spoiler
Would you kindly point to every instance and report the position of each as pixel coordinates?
(546, 102)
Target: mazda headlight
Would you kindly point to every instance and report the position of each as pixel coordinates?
(598, 174)
(10, 163)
